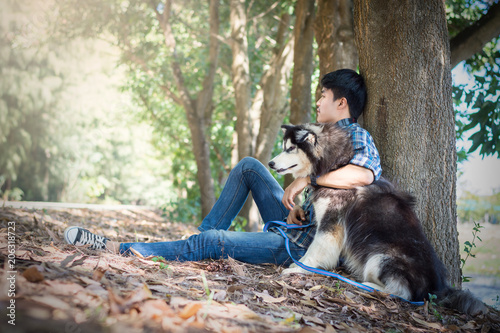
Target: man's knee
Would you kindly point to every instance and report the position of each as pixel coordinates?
(250, 163)
(211, 236)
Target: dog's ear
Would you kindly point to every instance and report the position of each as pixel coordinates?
(305, 135)
(284, 128)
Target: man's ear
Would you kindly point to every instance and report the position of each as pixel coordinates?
(342, 102)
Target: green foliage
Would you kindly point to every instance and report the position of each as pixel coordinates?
(462, 13)
(433, 306)
(136, 31)
(162, 262)
(31, 110)
(482, 100)
(70, 135)
(239, 223)
(468, 246)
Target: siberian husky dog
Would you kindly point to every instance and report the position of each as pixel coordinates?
(374, 228)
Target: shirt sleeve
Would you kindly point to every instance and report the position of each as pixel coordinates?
(365, 153)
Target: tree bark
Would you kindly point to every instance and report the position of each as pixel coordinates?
(240, 69)
(300, 94)
(269, 107)
(274, 91)
(404, 58)
(334, 30)
(258, 120)
(472, 39)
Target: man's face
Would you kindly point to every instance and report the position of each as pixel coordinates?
(327, 111)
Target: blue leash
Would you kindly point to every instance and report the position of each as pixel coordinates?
(319, 270)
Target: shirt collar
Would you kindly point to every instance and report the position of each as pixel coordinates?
(346, 122)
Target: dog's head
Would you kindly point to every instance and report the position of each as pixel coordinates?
(312, 149)
(300, 150)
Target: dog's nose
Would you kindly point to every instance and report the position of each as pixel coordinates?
(271, 164)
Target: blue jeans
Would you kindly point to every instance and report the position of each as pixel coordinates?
(215, 241)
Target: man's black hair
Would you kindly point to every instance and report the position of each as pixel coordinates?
(349, 84)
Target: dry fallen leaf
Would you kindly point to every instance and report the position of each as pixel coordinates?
(140, 294)
(136, 253)
(239, 269)
(98, 274)
(68, 259)
(156, 309)
(313, 320)
(190, 310)
(220, 295)
(118, 304)
(51, 301)
(33, 274)
(232, 289)
(53, 235)
(78, 262)
(427, 324)
(268, 298)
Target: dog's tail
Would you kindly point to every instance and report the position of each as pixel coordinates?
(461, 300)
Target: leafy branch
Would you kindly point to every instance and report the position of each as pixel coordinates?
(469, 246)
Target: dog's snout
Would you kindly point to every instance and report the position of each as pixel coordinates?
(271, 164)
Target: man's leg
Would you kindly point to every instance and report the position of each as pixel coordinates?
(250, 247)
(249, 175)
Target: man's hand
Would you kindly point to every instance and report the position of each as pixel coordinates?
(296, 216)
(294, 189)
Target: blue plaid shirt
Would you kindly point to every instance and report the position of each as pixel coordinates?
(365, 155)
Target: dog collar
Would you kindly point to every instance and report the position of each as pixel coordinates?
(314, 180)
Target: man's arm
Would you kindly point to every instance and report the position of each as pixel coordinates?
(347, 177)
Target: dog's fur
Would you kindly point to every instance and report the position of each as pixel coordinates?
(374, 228)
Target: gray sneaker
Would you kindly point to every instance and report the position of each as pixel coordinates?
(79, 237)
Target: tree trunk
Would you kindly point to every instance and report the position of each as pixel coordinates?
(198, 110)
(269, 106)
(240, 70)
(334, 30)
(404, 58)
(274, 86)
(201, 152)
(300, 94)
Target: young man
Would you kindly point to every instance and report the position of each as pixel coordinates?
(342, 102)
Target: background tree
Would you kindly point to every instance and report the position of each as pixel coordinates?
(148, 35)
(32, 109)
(474, 28)
(69, 133)
(260, 111)
(303, 63)
(334, 31)
(471, 25)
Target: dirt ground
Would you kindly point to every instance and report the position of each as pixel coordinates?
(49, 286)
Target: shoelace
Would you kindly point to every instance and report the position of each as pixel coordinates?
(86, 237)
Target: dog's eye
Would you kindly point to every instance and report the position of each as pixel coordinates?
(290, 149)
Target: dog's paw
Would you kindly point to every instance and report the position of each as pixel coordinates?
(296, 269)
